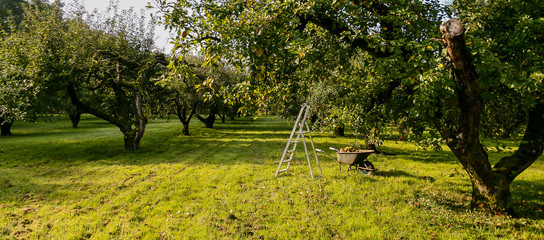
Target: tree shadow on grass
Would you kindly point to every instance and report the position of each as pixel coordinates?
(528, 199)
(394, 173)
(208, 146)
(397, 173)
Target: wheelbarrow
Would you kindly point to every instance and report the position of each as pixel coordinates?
(355, 160)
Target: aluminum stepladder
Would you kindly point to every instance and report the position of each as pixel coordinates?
(298, 129)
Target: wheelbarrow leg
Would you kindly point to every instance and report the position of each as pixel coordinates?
(339, 166)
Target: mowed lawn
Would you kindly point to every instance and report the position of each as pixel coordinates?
(57, 182)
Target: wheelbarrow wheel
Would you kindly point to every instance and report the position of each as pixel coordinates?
(366, 168)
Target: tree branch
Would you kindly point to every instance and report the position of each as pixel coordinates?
(530, 148)
(86, 108)
(341, 29)
(209, 37)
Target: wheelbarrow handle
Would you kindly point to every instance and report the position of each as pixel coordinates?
(321, 151)
(334, 149)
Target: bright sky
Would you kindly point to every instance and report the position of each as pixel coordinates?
(162, 40)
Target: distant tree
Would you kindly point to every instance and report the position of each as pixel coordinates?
(117, 80)
(199, 89)
(215, 89)
(183, 97)
(24, 54)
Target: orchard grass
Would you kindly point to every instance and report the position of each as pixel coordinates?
(57, 182)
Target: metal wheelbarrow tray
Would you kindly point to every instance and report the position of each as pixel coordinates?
(355, 160)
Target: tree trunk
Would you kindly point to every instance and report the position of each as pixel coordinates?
(5, 127)
(141, 120)
(232, 113)
(185, 130)
(490, 185)
(314, 118)
(339, 131)
(463, 139)
(129, 140)
(210, 120)
(181, 112)
(223, 117)
(131, 136)
(75, 117)
(530, 148)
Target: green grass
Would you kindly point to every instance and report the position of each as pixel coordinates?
(62, 183)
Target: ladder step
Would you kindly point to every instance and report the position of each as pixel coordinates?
(288, 160)
(291, 150)
(283, 170)
(294, 141)
(304, 132)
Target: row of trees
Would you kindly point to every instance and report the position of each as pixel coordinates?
(105, 64)
(372, 63)
(361, 63)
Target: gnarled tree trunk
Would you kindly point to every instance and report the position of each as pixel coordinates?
(530, 148)
(491, 185)
(132, 135)
(464, 140)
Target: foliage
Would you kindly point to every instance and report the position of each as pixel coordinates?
(59, 182)
(507, 41)
(291, 49)
(25, 50)
(11, 13)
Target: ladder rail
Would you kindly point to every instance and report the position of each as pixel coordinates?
(315, 152)
(306, 151)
